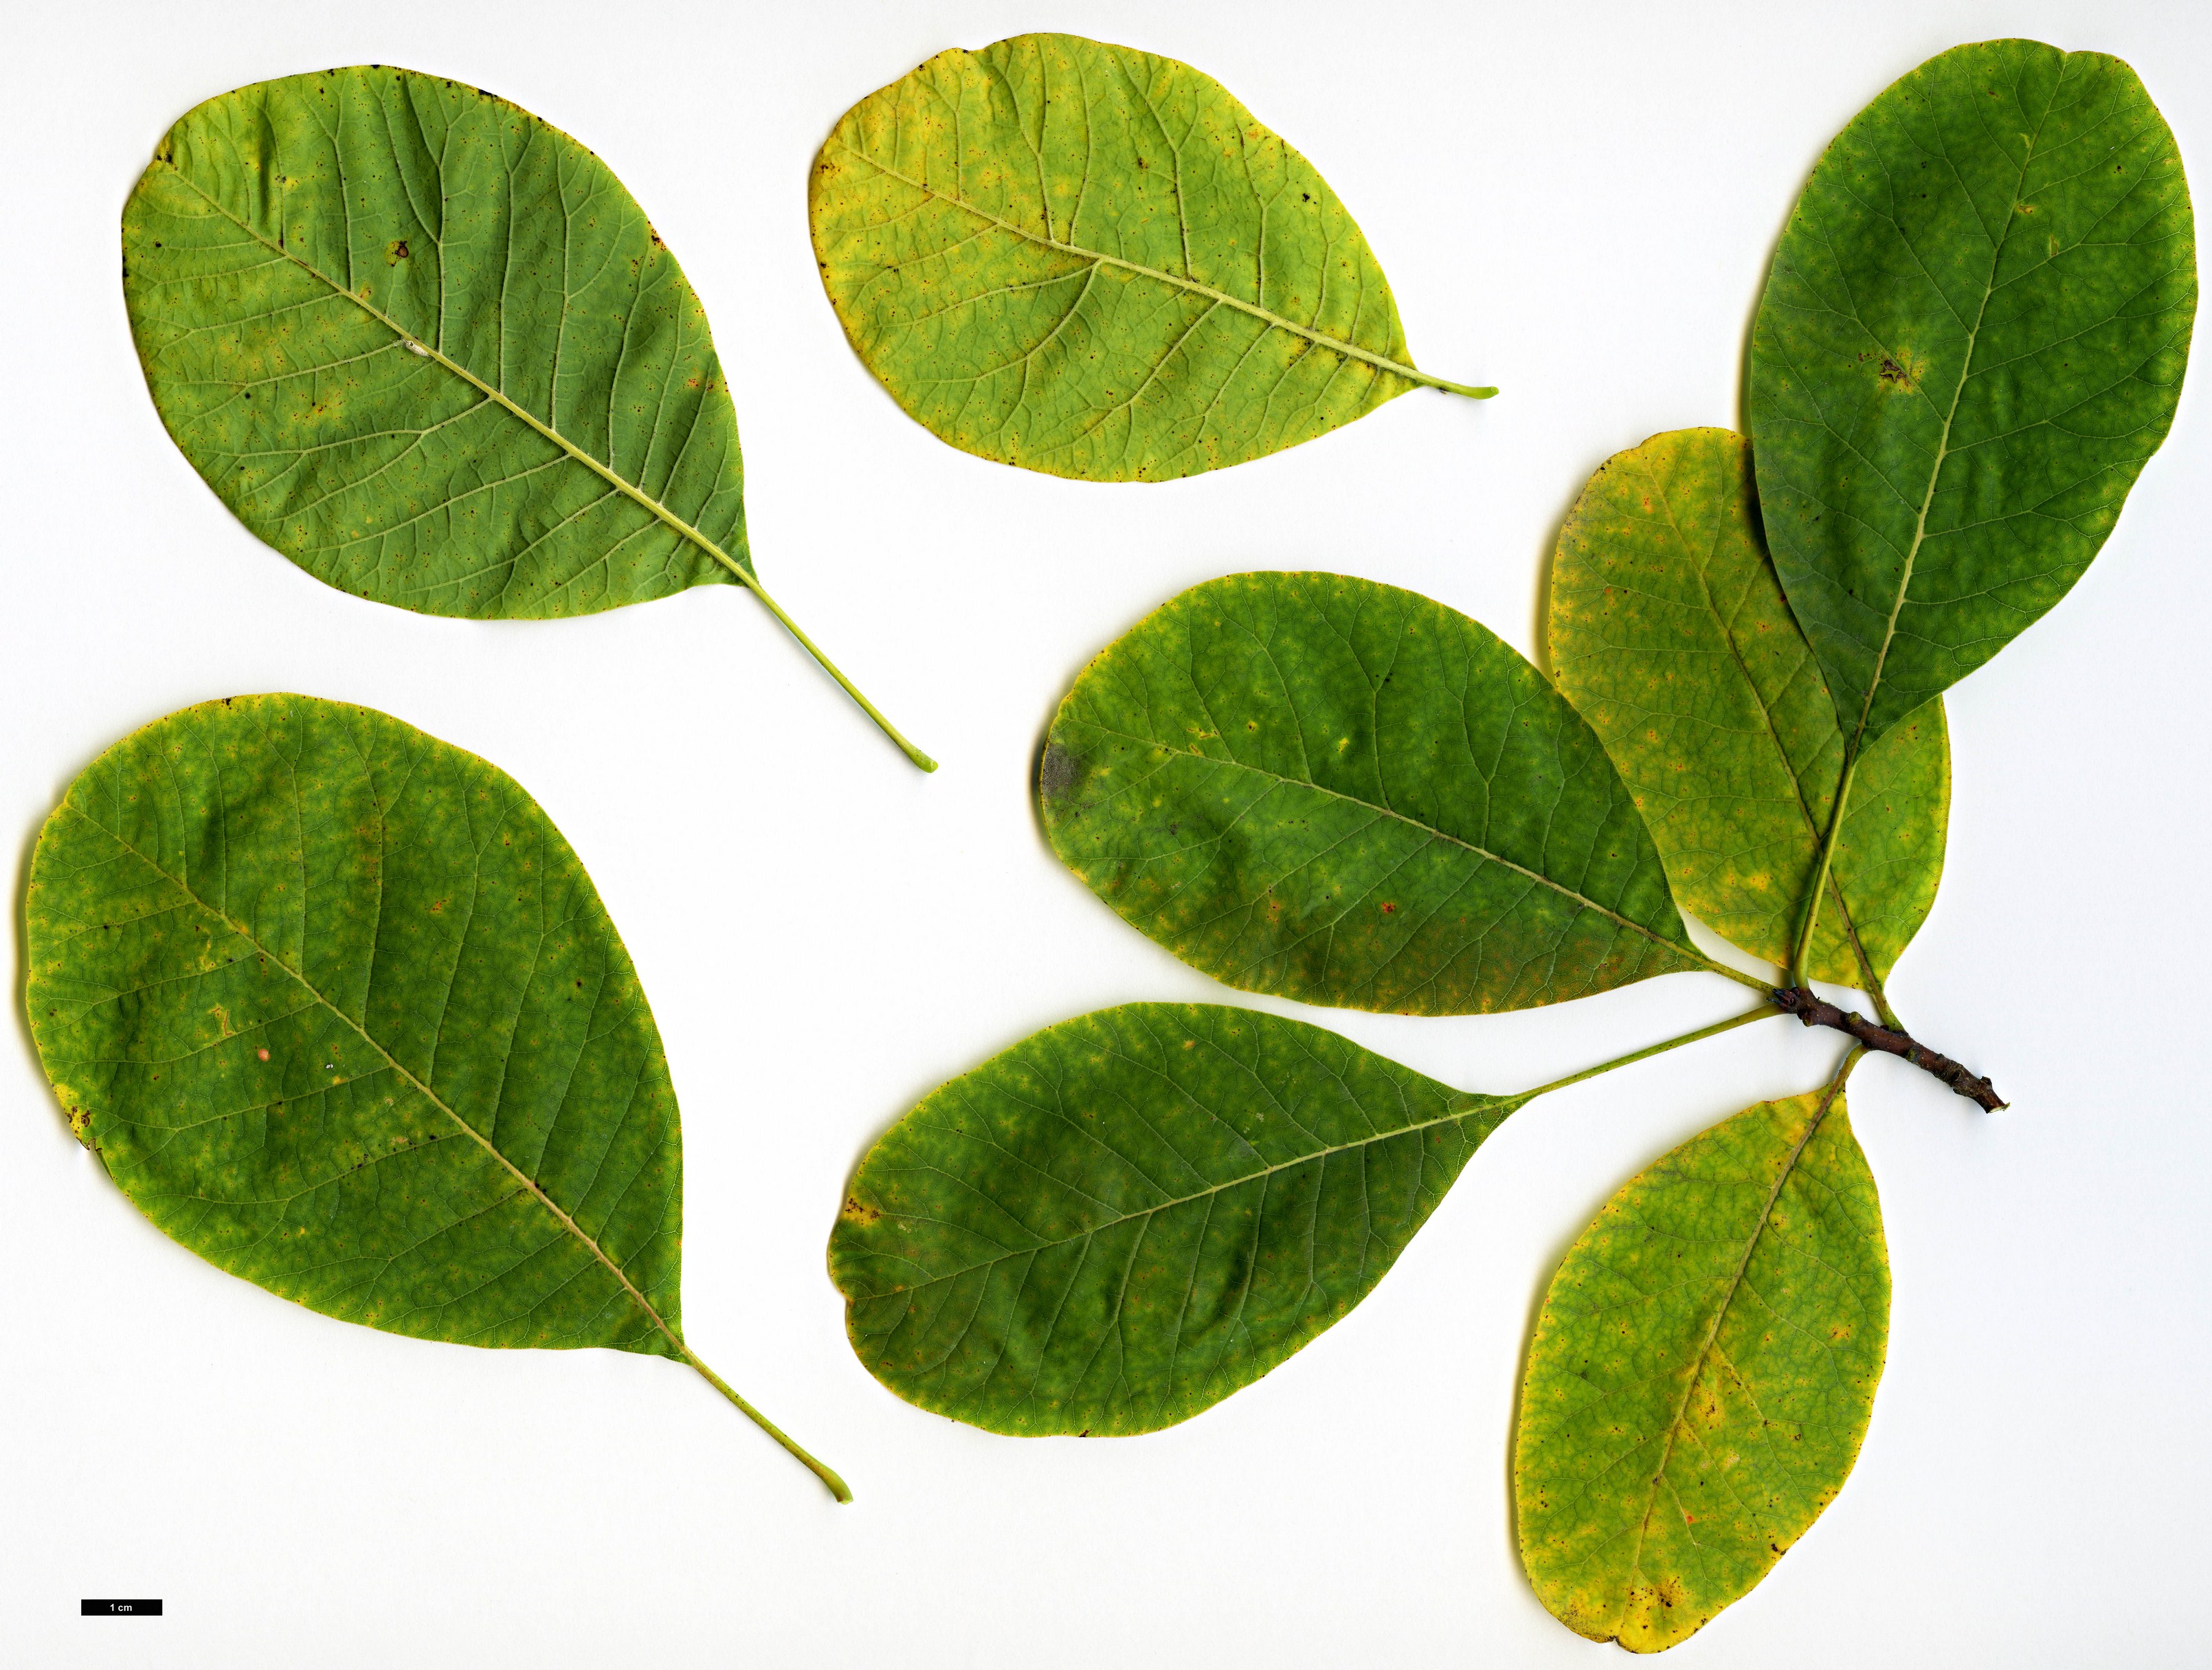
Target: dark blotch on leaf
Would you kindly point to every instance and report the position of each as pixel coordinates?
(1057, 771)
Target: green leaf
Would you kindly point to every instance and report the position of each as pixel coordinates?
(1124, 1218)
(1972, 337)
(1089, 261)
(1702, 1374)
(430, 349)
(1339, 792)
(339, 1010)
(1671, 636)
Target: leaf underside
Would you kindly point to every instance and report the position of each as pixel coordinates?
(1124, 1218)
(339, 1010)
(1089, 261)
(1973, 338)
(430, 349)
(1702, 1374)
(1339, 792)
(1670, 634)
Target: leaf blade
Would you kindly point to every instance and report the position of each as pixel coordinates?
(1947, 417)
(434, 429)
(304, 865)
(1123, 1220)
(1117, 311)
(1339, 792)
(1657, 1370)
(1671, 636)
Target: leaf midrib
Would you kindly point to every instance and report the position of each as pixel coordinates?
(1099, 258)
(1483, 853)
(1943, 436)
(416, 345)
(1508, 1104)
(1720, 1313)
(529, 1183)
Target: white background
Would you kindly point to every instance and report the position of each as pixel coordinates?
(1575, 201)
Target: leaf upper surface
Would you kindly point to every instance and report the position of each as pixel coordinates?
(1091, 261)
(430, 348)
(1124, 1218)
(341, 1012)
(1702, 1374)
(1670, 634)
(1345, 794)
(1973, 338)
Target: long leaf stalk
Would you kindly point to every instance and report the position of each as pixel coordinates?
(745, 577)
(1801, 956)
(1804, 954)
(1762, 1013)
(820, 1470)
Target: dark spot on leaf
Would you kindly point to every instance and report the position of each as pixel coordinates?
(1057, 771)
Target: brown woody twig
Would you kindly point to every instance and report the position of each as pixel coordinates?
(1813, 1011)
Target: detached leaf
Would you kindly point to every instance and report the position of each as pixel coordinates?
(1344, 793)
(339, 1010)
(1126, 1218)
(1972, 337)
(1702, 1374)
(1093, 262)
(1671, 636)
(430, 349)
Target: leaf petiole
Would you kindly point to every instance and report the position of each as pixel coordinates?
(1804, 952)
(745, 579)
(1468, 390)
(822, 1471)
(1801, 959)
(1713, 1031)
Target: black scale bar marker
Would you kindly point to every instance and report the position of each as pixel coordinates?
(118, 1608)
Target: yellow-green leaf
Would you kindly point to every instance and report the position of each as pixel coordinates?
(1702, 1374)
(1671, 636)
(1093, 262)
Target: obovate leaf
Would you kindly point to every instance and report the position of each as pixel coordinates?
(1342, 793)
(1089, 261)
(1671, 636)
(1972, 337)
(339, 1010)
(430, 349)
(1702, 1374)
(1124, 1218)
